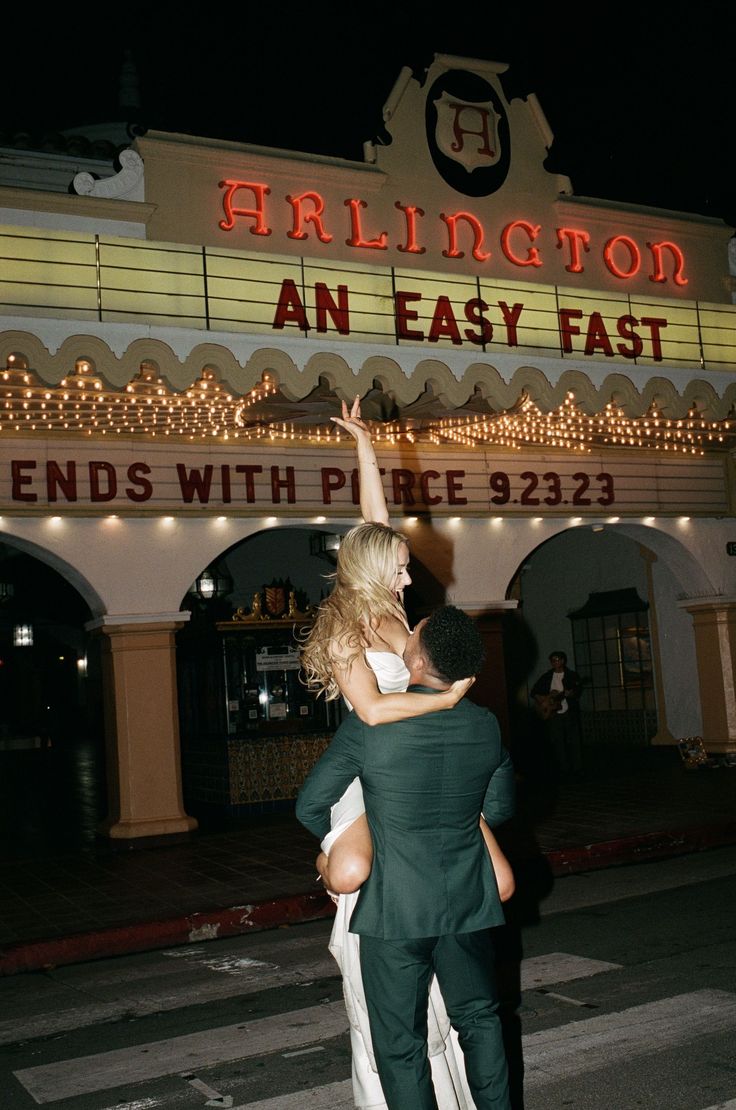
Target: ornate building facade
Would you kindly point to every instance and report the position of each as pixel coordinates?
(550, 379)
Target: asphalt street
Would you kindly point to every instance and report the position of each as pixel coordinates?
(619, 989)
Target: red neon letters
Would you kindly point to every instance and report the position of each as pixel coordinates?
(520, 240)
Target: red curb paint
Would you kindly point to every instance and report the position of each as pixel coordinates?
(146, 935)
(295, 909)
(641, 848)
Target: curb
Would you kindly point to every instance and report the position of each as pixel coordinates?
(641, 848)
(299, 908)
(147, 935)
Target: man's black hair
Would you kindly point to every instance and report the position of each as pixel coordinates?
(452, 644)
(557, 655)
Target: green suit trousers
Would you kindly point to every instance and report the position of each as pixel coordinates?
(396, 978)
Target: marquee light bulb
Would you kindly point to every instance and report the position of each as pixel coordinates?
(205, 411)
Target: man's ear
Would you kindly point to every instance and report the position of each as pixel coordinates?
(422, 662)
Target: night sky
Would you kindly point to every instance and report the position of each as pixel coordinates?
(641, 97)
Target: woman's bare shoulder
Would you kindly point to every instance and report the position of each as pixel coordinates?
(390, 634)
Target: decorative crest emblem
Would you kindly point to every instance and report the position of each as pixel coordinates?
(467, 131)
(275, 600)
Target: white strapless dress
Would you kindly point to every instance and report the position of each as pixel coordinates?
(445, 1054)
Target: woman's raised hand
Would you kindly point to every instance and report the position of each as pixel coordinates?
(372, 498)
(352, 421)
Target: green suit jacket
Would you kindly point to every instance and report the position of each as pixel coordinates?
(425, 782)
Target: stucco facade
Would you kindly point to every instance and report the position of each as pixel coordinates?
(176, 334)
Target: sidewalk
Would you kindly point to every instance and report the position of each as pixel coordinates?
(105, 899)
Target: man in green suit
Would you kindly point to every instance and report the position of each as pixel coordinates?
(431, 898)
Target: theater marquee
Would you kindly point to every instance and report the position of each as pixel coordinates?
(133, 477)
(115, 280)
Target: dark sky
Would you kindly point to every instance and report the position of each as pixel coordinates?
(641, 97)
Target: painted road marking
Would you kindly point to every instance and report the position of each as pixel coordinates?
(339, 1096)
(137, 1104)
(334, 1096)
(566, 998)
(104, 1070)
(560, 967)
(158, 997)
(549, 1055)
(135, 1001)
(203, 956)
(583, 1046)
(215, 1098)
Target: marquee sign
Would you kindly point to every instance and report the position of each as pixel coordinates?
(104, 477)
(115, 280)
(456, 182)
(520, 243)
(419, 319)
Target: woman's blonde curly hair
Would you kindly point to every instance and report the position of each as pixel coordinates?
(361, 597)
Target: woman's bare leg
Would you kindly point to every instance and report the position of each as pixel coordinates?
(501, 866)
(350, 859)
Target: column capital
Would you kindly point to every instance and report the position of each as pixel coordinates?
(707, 604)
(141, 622)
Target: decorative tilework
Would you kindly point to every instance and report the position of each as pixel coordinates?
(265, 769)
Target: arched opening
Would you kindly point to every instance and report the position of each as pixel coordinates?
(608, 598)
(250, 730)
(52, 782)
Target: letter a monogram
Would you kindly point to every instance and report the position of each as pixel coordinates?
(467, 132)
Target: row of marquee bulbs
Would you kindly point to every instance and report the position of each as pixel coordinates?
(82, 405)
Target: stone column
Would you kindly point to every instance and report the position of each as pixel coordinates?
(142, 725)
(714, 621)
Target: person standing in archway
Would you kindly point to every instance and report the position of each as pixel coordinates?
(556, 696)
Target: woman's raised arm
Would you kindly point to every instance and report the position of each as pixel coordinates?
(373, 506)
(358, 686)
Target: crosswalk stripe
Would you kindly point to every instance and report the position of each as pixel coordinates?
(560, 967)
(550, 1055)
(76, 1017)
(214, 962)
(339, 1096)
(583, 1046)
(137, 1104)
(104, 1070)
(132, 1001)
(334, 1096)
(239, 975)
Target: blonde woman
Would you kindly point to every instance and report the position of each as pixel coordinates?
(355, 649)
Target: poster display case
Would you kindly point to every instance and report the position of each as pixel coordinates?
(251, 730)
(264, 690)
